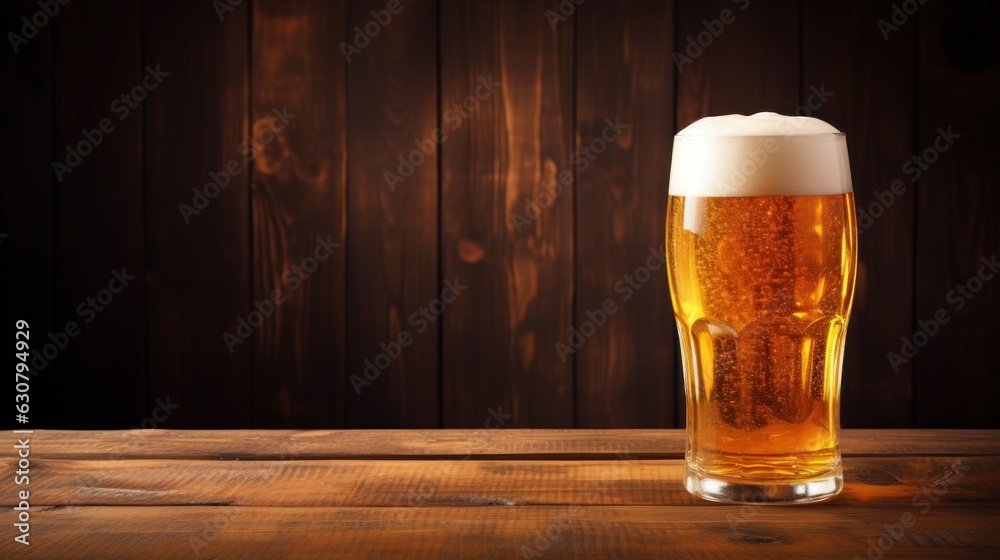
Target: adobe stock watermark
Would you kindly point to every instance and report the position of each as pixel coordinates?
(546, 540)
(958, 297)
(122, 106)
(222, 517)
(923, 501)
(898, 17)
(581, 158)
(87, 310)
(363, 35)
(211, 529)
(453, 117)
(566, 9)
(163, 411)
(597, 318)
(913, 168)
(757, 499)
(495, 419)
(425, 492)
(225, 7)
(47, 9)
(757, 158)
(420, 320)
(697, 43)
(265, 131)
(746, 512)
(293, 278)
(818, 96)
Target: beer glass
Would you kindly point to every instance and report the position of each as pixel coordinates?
(761, 252)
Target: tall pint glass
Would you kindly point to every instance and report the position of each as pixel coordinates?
(761, 252)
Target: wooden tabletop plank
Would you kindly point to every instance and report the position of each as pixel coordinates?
(869, 480)
(168, 533)
(523, 443)
(477, 493)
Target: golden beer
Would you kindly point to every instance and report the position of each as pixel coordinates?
(761, 270)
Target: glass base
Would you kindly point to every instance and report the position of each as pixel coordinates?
(743, 491)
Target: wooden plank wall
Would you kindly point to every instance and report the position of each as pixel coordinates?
(26, 151)
(298, 193)
(197, 265)
(398, 214)
(865, 86)
(392, 233)
(108, 218)
(957, 235)
(499, 339)
(625, 372)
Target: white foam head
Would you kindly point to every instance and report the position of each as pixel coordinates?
(764, 154)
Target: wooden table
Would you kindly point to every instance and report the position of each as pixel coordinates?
(482, 494)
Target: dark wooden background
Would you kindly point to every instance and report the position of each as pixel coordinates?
(493, 352)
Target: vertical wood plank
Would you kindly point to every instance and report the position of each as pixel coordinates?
(751, 65)
(392, 255)
(99, 219)
(500, 336)
(298, 193)
(871, 80)
(198, 272)
(955, 372)
(26, 249)
(625, 372)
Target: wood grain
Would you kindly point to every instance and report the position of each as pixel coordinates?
(26, 150)
(752, 65)
(100, 204)
(368, 504)
(198, 281)
(868, 83)
(456, 482)
(298, 195)
(392, 244)
(539, 444)
(626, 374)
(494, 348)
(956, 217)
(558, 531)
(506, 146)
